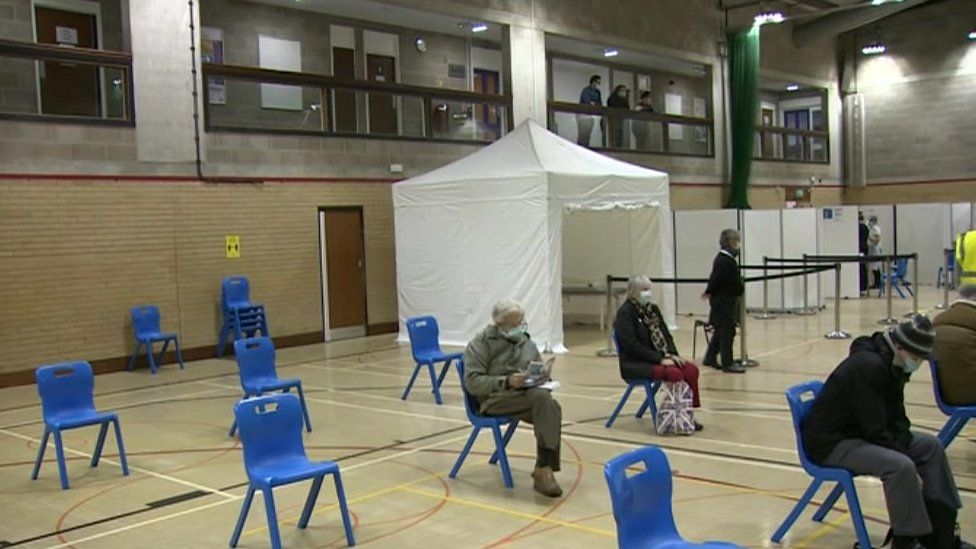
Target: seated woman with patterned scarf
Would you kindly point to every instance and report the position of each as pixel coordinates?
(646, 348)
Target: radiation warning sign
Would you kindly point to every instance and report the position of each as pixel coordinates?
(233, 246)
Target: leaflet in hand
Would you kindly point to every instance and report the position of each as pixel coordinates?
(539, 372)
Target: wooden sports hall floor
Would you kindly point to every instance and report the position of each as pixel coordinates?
(734, 481)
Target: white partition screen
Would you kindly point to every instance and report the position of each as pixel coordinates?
(762, 236)
(838, 234)
(696, 243)
(924, 229)
(799, 226)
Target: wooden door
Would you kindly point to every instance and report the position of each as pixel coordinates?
(382, 106)
(345, 264)
(344, 104)
(68, 88)
(486, 116)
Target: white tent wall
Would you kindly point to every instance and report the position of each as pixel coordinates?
(963, 218)
(696, 243)
(799, 226)
(762, 235)
(924, 229)
(837, 234)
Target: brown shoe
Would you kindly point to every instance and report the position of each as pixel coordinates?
(545, 482)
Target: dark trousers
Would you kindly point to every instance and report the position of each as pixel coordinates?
(721, 342)
(535, 406)
(900, 474)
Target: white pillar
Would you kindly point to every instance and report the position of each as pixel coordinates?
(162, 79)
(524, 58)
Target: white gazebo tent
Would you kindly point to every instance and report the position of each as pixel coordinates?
(489, 226)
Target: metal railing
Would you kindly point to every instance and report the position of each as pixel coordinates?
(631, 131)
(65, 84)
(792, 145)
(250, 99)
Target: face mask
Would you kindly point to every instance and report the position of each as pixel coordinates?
(908, 363)
(645, 297)
(516, 332)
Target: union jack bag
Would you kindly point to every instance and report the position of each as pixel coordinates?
(674, 414)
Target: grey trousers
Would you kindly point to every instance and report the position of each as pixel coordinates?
(537, 407)
(899, 473)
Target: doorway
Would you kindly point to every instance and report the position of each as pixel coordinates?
(344, 101)
(486, 116)
(70, 89)
(382, 106)
(343, 269)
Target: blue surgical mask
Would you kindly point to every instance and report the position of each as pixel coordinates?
(516, 332)
(909, 363)
(646, 297)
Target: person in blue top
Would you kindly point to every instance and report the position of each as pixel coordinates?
(590, 96)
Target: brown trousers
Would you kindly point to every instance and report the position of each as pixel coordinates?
(537, 407)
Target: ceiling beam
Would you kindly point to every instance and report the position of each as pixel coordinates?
(839, 22)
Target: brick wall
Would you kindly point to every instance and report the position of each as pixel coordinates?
(76, 255)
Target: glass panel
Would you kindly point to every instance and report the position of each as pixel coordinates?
(688, 139)
(413, 116)
(466, 121)
(116, 96)
(63, 88)
(18, 86)
(242, 107)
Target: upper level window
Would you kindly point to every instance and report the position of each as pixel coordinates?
(792, 125)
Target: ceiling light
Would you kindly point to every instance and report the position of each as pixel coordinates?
(792, 87)
(879, 2)
(766, 17)
(874, 48)
(479, 27)
(610, 52)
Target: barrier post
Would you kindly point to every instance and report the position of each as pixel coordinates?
(945, 280)
(744, 359)
(611, 349)
(915, 283)
(889, 320)
(806, 291)
(765, 314)
(837, 333)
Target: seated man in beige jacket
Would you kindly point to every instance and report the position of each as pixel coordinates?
(955, 349)
(495, 365)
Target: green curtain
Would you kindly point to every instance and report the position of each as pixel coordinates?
(744, 92)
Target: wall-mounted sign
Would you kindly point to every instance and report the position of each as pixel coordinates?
(66, 35)
(233, 242)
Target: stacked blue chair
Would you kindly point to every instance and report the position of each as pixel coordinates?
(426, 349)
(642, 502)
(898, 280)
(650, 390)
(256, 369)
(479, 422)
(947, 276)
(958, 415)
(274, 455)
(844, 478)
(241, 318)
(146, 325)
(67, 401)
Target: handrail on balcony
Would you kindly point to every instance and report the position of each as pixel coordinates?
(577, 108)
(792, 131)
(52, 52)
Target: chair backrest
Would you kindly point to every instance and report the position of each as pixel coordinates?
(65, 387)
(901, 268)
(471, 406)
(641, 502)
(937, 389)
(424, 333)
(270, 428)
(235, 291)
(145, 320)
(800, 408)
(255, 359)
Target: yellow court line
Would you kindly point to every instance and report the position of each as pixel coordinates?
(825, 528)
(502, 510)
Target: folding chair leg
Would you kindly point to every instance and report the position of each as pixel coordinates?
(856, 517)
(118, 441)
(162, 353)
(509, 431)
(829, 503)
(151, 357)
(797, 509)
(433, 381)
(99, 444)
(132, 361)
(233, 428)
(464, 452)
(406, 392)
(502, 456)
(40, 453)
(236, 536)
(62, 465)
(440, 378)
(951, 429)
(620, 405)
(269, 508)
(301, 397)
(346, 524)
(313, 494)
(179, 352)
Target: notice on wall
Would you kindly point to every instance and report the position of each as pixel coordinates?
(212, 51)
(672, 105)
(233, 245)
(66, 36)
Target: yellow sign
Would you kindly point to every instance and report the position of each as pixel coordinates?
(233, 246)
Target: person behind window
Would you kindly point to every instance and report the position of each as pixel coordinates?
(619, 99)
(858, 423)
(647, 350)
(642, 128)
(955, 349)
(590, 96)
(725, 287)
(495, 364)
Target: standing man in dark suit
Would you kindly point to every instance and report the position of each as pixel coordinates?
(863, 231)
(725, 286)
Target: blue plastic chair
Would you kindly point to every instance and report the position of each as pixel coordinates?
(256, 369)
(650, 390)
(642, 503)
(958, 415)
(241, 318)
(67, 401)
(274, 455)
(898, 280)
(146, 325)
(479, 422)
(844, 478)
(944, 276)
(426, 350)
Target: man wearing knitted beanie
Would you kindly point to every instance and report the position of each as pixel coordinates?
(858, 423)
